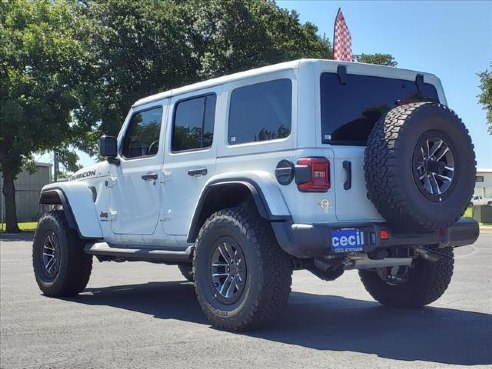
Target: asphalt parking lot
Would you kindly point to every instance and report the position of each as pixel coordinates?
(139, 315)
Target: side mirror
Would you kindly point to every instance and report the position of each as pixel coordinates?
(108, 148)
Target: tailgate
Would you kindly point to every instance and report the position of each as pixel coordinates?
(351, 202)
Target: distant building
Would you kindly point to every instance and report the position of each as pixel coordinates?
(483, 184)
(27, 189)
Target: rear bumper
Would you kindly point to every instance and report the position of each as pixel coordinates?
(311, 240)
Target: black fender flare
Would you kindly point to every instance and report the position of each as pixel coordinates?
(56, 196)
(254, 190)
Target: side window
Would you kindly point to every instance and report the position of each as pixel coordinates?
(142, 136)
(260, 112)
(193, 125)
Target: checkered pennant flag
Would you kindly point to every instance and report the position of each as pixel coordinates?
(342, 40)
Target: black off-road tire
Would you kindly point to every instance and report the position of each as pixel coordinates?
(269, 270)
(75, 265)
(187, 271)
(389, 165)
(427, 281)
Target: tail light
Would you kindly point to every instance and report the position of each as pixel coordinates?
(313, 174)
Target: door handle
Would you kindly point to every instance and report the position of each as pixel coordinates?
(149, 177)
(197, 172)
(347, 165)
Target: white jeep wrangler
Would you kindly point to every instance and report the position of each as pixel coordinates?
(311, 164)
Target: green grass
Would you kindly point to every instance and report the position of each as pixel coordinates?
(469, 214)
(26, 226)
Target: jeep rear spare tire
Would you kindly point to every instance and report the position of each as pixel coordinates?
(420, 167)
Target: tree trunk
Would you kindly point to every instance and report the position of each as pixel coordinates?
(9, 196)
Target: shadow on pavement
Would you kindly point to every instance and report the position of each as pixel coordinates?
(164, 300)
(21, 236)
(330, 323)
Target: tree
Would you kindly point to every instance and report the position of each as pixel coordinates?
(485, 98)
(381, 59)
(41, 60)
(137, 48)
(142, 47)
(235, 35)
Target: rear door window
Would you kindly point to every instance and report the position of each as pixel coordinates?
(193, 125)
(349, 111)
(260, 112)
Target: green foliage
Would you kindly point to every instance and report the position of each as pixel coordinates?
(485, 98)
(68, 158)
(381, 59)
(185, 138)
(137, 48)
(265, 134)
(235, 35)
(29, 165)
(40, 62)
(142, 47)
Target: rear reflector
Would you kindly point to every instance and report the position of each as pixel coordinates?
(319, 180)
(384, 235)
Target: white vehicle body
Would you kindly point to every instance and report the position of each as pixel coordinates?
(159, 212)
(312, 164)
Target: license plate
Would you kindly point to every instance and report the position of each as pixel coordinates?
(347, 239)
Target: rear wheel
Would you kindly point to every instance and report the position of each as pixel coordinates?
(242, 277)
(410, 287)
(61, 266)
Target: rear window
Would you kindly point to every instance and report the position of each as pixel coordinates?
(349, 111)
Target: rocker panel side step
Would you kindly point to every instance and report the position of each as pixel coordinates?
(139, 254)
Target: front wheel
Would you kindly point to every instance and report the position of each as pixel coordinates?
(61, 266)
(242, 277)
(410, 287)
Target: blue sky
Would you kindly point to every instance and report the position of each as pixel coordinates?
(452, 39)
